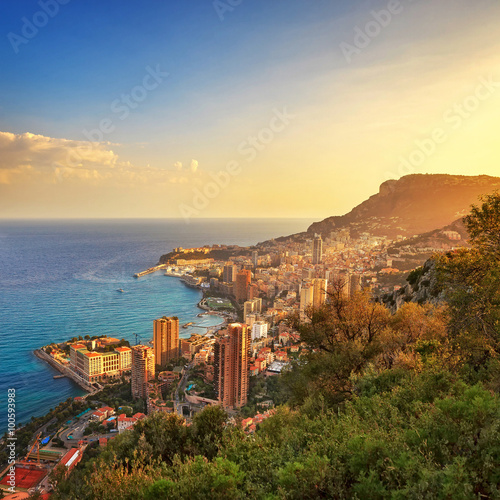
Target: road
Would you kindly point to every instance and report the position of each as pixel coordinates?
(75, 430)
(181, 386)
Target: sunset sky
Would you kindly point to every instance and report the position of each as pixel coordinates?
(131, 109)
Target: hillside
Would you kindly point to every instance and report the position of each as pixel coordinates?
(412, 205)
(447, 238)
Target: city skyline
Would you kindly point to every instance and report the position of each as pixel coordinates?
(170, 110)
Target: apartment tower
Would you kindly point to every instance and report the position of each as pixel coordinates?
(319, 292)
(166, 340)
(317, 249)
(241, 284)
(232, 352)
(143, 370)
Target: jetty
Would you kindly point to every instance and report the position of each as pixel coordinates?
(64, 370)
(151, 270)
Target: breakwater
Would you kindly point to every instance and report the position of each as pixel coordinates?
(150, 270)
(39, 353)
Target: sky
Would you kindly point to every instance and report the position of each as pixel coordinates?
(239, 108)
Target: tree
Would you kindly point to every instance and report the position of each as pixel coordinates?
(58, 474)
(208, 427)
(166, 433)
(471, 282)
(345, 334)
(483, 225)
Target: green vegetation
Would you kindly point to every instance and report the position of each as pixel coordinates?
(415, 275)
(115, 395)
(383, 406)
(263, 389)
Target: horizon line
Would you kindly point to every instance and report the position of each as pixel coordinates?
(13, 219)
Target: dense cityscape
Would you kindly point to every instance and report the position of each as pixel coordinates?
(257, 292)
(249, 250)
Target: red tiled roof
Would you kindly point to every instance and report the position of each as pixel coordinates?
(69, 455)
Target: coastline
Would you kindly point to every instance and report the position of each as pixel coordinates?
(200, 305)
(42, 355)
(68, 285)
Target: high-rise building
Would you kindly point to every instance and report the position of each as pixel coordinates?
(255, 258)
(251, 306)
(257, 305)
(355, 284)
(259, 330)
(143, 370)
(251, 319)
(319, 292)
(341, 283)
(166, 340)
(306, 297)
(247, 309)
(317, 249)
(229, 273)
(243, 280)
(232, 352)
(253, 291)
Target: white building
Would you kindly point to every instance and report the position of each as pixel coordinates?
(259, 330)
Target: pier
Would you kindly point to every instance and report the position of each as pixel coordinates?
(65, 371)
(150, 270)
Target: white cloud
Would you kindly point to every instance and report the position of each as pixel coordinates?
(29, 157)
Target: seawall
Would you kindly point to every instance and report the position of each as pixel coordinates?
(39, 353)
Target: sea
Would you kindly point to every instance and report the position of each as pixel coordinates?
(60, 279)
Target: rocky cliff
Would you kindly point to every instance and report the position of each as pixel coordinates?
(412, 205)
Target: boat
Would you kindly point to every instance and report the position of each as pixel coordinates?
(59, 376)
(120, 290)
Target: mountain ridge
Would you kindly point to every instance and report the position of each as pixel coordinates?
(412, 205)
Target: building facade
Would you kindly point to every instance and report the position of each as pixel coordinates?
(317, 249)
(259, 330)
(143, 370)
(229, 273)
(94, 366)
(243, 280)
(319, 292)
(166, 340)
(231, 366)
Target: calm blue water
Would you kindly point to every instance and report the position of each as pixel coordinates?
(59, 279)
